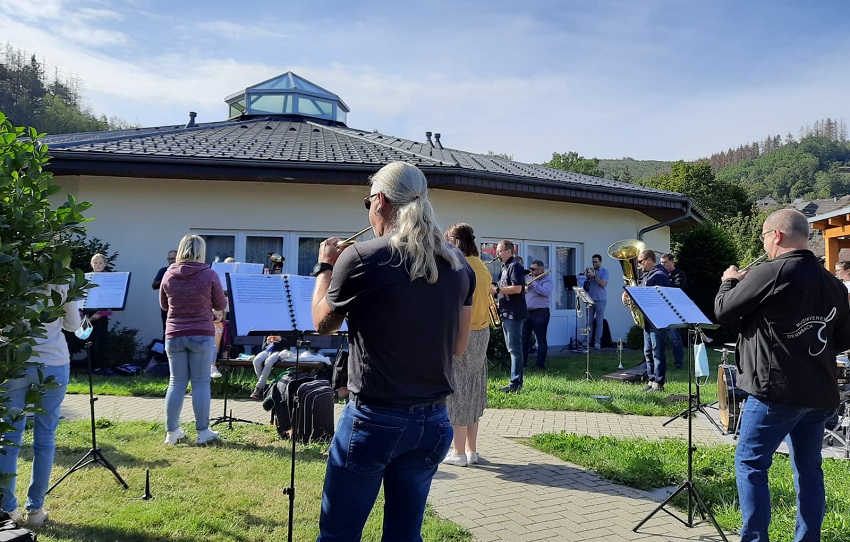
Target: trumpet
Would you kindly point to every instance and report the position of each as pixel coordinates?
(589, 272)
(538, 277)
(353, 239)
(754, 262)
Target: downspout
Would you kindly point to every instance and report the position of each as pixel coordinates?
(685, 216)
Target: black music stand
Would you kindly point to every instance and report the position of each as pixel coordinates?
(571, 283)
(94, 455)
(697, 405)
(225, 416)
(679, 309)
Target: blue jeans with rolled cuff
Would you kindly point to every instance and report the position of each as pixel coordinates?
(44, 433)
(764, 425)
(513, 342)
(401, 447)
(188, 359)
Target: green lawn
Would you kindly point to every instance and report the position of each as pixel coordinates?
(560, 387)
(652, 464)
(230, 490)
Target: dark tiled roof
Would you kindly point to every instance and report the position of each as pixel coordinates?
(292, 149)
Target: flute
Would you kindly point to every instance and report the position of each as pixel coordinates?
(351, 240)
(754, 262)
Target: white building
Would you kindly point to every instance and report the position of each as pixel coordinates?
(285, 172)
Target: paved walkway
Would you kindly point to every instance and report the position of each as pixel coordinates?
(516, 493)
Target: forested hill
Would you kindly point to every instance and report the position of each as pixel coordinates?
(631, 170)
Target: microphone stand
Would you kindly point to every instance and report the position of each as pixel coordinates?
(94, 455)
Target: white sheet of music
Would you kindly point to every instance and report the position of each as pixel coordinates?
(667, 307)
(110, 292)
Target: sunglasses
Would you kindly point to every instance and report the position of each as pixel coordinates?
(641, 261)
(367, 201)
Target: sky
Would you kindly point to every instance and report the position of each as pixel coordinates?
(646, 79)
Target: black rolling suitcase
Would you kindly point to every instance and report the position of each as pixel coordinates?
(315, 411)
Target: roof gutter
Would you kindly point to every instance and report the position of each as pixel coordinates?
(688, 214)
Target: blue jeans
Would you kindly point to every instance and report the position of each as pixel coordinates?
(44, 433)
(513, 341)
(401, 447)
(678, 351)
(654, 345)
(596, 313)
(188, 359)
(538, 322)
(764, 425)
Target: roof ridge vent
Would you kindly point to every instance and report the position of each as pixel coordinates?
(428, 137)
(191, 123)
(437, 137)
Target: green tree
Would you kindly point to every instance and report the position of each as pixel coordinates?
(703, 253)
(31, 256)
(571, 161)
(718, 198)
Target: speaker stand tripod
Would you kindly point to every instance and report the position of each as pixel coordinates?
(695, 500)
(94, 455)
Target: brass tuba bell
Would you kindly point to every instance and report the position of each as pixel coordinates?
(626, 252)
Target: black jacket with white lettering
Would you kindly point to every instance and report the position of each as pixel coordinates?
(794, 319)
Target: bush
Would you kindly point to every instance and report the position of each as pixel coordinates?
(496, 349)
(634, 339)
(122, 346)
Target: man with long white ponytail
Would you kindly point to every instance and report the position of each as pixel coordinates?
(407, 295)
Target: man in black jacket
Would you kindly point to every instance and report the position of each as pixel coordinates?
(794, 318)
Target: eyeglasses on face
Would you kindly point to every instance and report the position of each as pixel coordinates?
(641, 261)
(761, 236)
(367, 201)
(535, 269)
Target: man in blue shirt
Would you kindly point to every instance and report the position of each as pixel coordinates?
(538, 289)
(597, 280)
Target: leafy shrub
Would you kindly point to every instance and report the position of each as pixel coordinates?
(123, 346)
(634, 339)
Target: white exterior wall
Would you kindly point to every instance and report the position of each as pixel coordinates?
(142, 219)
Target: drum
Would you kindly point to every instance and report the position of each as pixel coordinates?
(729, 397)
(843, 370)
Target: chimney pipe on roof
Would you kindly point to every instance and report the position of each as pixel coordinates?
(428, 137)
(191, 123)
(437, 137)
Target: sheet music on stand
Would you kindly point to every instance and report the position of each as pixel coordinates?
(222, 268)
(271, 304)
(667, 307)
(110, 292)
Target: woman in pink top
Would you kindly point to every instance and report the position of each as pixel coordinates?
(189, 292)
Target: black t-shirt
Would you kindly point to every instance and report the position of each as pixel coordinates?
(401, 332)
(512, 307)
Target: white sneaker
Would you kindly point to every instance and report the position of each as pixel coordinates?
(472, 458)
(214, 372)
(36, 517)
(173, 437)
(455, 459)
(16, 515)
(207, 435)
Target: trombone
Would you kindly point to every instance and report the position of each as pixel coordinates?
(538, 277)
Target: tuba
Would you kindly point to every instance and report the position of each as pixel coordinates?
(626, 251)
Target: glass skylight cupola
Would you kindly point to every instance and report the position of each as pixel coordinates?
(288, 94)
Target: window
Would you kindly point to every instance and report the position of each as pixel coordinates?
(243, 247)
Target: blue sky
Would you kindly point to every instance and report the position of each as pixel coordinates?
(649, 79)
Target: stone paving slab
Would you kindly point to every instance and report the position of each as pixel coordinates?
(516, 493)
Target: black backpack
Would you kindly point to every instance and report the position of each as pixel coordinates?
(315, 413)
(11, 532)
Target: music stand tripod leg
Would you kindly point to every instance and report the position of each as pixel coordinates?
(94, 454)
(225, 417)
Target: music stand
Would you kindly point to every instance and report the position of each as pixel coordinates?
(588, 302)
(571, 283)
(675, 310)
(697, 405)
